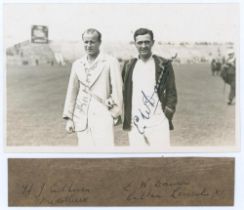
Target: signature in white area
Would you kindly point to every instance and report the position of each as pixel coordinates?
(149, 106)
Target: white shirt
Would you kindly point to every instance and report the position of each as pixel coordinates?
(146, 107)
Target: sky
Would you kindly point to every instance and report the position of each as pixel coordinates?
(117, 22)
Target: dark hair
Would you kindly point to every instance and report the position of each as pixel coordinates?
(93, 30)
(143, 31)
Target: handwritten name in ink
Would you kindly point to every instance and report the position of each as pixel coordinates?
(149, 106)
(158, 189)
(56, 193)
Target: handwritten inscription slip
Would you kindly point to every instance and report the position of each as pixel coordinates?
(121, 182)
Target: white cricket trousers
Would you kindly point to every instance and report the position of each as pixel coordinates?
(157, 135)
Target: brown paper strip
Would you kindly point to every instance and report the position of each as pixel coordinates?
(121, 182)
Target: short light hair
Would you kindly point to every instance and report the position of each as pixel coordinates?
(93, 30)
(143, 31)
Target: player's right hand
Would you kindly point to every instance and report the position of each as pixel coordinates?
(70, 126)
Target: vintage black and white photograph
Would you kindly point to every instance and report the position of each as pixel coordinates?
(121, 77)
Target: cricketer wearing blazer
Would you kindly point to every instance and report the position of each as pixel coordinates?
(149, 93)
(94, 94)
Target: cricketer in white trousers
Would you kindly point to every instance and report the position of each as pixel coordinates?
(90, 87)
